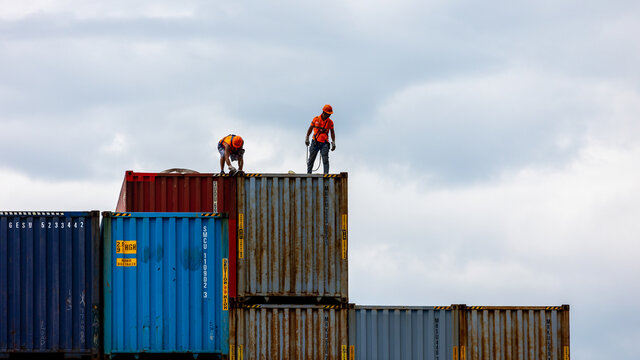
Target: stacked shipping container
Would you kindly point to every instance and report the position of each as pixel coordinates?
(166, 283)
(50, 283)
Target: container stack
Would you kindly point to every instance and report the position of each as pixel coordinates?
(217, 267)
(287, 246)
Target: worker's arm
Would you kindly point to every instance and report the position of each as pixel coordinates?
(306, 138)
(333, 140)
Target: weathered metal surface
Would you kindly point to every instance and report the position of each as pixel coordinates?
(288, 332)
(512, 333)
(50, 282)
(400, 332)
(292, 236)
(166, 192)
(166, 283)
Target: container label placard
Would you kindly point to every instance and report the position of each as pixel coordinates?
(225, 284)
(344, 352)
(455, 353)
(126, 262)
(344, 236)
(240, 236)
(352, 352)
(126, 246)
(566, 353)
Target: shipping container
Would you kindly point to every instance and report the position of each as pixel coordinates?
(50, 283)
(400, 332)
(166, 283)
(298, 332)
(292, 237)
(512, 332)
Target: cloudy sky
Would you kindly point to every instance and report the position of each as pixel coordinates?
(493, 148)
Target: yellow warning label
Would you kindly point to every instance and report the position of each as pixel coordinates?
(240, 236)
(232, 352)
(352, 353)
(455, 353)
(126, 262)
(240, 354)
(126, 246)
(344, 352)
(463, 352)
(225, 284)
(566, 353)
(344, 236)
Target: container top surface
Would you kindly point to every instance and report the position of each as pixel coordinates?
(131, 175)
(47, 213)
(163, 214)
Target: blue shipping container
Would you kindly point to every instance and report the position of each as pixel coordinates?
(166, 283)
(50, 282)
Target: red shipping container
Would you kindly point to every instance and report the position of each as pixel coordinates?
(184, 192)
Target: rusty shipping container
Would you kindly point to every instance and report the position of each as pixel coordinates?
(401, 332)
(50, 284)
(292, 237)
(511, 332)
(288, 332)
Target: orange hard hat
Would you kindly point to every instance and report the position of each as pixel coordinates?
(237, 142)
(328, 109)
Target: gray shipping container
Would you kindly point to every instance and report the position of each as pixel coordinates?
(400, 332)
(273, 332)
(292, 237)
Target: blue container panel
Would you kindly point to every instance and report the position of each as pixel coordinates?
(164, 283)
(49, 276)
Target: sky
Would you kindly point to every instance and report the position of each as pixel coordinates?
(493, 148)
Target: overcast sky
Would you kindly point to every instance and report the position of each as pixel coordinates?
(493, 148)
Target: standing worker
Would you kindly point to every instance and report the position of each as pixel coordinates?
(321, 125)
(230, 149)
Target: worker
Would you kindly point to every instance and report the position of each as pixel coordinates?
(230, 149)
(321, 126)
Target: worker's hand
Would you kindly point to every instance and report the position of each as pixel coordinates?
(333, 145)
(232, 169)
(306, 141)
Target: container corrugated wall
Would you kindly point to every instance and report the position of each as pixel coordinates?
(288, 332)
(400, 332)
(166, 283)
(518, 333)
(50, 282)
(151, 192)
(292, 236)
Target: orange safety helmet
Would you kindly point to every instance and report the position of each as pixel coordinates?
(328, 109)
(237, 142)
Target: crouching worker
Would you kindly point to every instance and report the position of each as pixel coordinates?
(230, 149)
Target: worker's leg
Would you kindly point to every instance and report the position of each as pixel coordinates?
(324, 152)
(313, 152)
(221, 151)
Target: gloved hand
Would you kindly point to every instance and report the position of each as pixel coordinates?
(306, 141)
(232, 169)
(333, 145)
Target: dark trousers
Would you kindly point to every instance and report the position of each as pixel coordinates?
(323, 147)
